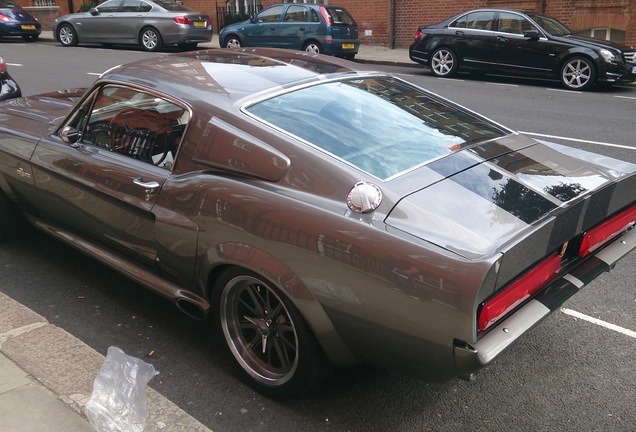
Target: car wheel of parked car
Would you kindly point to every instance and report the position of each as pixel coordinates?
(10, 219)
(232, 42)
(578, 73)
(267, 338)
(66, 35)
(30, 38)
(444, 63)
(312, 47)
(150, 39)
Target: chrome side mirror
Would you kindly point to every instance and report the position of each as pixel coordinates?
(69, 135)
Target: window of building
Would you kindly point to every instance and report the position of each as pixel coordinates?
(608, 34)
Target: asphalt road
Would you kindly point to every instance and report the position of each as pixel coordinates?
(567, 374)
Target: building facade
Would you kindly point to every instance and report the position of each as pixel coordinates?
(393, 23)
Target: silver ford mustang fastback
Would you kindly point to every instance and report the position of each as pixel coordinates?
(315, 215)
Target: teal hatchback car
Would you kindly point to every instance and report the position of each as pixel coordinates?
(317, 29)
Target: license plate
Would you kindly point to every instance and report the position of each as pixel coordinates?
(27, 27)
(348, 46)
(199, 23)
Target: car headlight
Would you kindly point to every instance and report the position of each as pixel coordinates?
(607, 55)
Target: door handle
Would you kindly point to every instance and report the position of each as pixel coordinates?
(149, 187)
(502, 39)
(459, 33)
(302, 29)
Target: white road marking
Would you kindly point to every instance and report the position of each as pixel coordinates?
(564, 91)
(579, 140)
(625, 97)
(503, 84)
(14, 64)
(599, 322)
(93, 73)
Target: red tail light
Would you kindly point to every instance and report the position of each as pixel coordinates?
(4, 18)
(603, 233)
(519, 291)
(418, 35)
(325, 15)
(182, 20)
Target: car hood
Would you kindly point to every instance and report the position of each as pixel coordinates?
(481, 200)
(47, 109)
(592, 42)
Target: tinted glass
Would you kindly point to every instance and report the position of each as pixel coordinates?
(379, 124)
(513, 23)
(296, 14)
(109, 6)
(172, 6)
(475, 21)
(270, 15)
(340, 16)
(551, 25)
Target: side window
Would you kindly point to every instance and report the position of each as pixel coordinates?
(131, 6)
(314, 16)
(133, 123)
(145, 7)
(513, 23)
(296, 14)
(109, 6)
(270, 14)
(475, 21)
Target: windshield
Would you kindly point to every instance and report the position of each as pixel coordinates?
(380, 125)
(551, 25)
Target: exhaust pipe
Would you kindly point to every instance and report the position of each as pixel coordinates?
(192, 309)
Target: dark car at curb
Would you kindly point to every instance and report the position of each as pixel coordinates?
(511, 42)
(318, 29)
(15, 21)
(150, 24)
(9, 89)
(315, 215)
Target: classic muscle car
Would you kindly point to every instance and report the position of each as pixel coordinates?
(315, 214)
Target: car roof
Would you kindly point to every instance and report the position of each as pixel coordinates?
(224, 76)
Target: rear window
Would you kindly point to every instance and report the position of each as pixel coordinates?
(380, 125)
(339, 16)
(172, 6)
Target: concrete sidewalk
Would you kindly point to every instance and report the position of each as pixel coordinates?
(46, 374)
(367, 54)
(46, 379)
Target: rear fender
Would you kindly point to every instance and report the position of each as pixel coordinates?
(237, 254)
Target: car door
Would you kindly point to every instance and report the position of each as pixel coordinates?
(129, 20)
(263, 30)
(104, 186)
(473, 38)
(294, 26)
(518, 53)
(101, 25)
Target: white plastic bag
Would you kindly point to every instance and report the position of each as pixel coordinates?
(118, 401)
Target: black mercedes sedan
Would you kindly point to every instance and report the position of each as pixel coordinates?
(511, 42)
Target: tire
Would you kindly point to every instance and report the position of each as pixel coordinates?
(312, 47)
(232, 42)
(444, 63)
(150, 39)
(31, 38)
(578, 73)
(267, 339)
(66, 35)
(11, 222)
